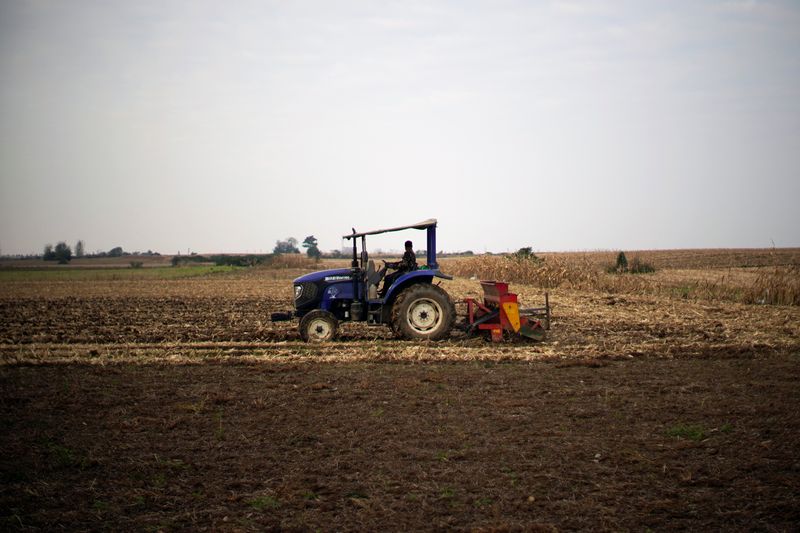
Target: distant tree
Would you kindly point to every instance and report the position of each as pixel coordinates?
(634, 266)
(526, 253)
(289, 246)
(310, 244)
(49, 254)
(79, 249)
(622, 262)
(336, 254)
(63, 253)
(116, 252)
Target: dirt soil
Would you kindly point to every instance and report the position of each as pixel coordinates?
(178, 406)
(587, 444)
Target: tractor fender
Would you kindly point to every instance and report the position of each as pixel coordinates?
(409, 278)
(402, 283)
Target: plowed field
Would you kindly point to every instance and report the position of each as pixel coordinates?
(177, 405)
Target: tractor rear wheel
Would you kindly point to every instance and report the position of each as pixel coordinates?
(423, 311)
(318, 326)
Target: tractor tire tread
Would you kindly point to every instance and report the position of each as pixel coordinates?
(448, 309)
(317, 313)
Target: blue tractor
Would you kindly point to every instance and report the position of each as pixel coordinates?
(413, 307)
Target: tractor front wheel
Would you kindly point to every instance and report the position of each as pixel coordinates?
(423, 311)
(318, 326)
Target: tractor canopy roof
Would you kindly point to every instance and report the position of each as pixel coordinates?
(425, 224)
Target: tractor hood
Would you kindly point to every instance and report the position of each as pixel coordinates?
(337, 274)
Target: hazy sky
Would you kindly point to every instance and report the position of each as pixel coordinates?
(563, 125)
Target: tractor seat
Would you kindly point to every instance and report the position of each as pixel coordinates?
(373, 276)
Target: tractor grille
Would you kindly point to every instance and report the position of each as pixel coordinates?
(308, 294)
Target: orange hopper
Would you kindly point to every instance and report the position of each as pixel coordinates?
(500, 312)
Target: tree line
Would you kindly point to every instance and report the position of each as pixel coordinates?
(310, 243)
(62, 252)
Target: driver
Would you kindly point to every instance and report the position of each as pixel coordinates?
(407, 264)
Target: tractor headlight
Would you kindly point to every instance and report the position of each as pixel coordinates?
(298, 291)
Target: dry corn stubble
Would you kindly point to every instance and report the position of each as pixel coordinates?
(226, 317)
(778, 284)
